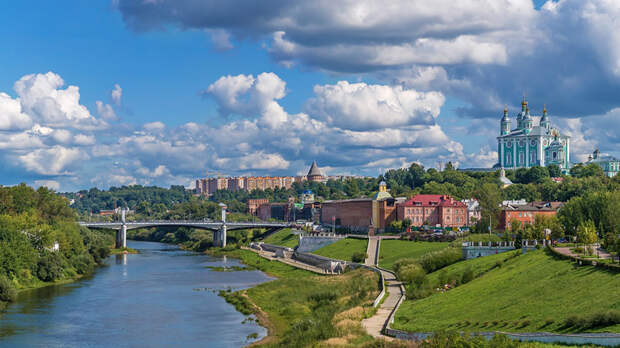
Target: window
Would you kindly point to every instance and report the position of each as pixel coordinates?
(521, 158)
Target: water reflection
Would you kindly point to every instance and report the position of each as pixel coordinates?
(121, 259)
(147, 299)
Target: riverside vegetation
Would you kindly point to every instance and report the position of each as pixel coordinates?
(31, 221)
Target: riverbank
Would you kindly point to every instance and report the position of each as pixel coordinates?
(117, 251)
(300, 308)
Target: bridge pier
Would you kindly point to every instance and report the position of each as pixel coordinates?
(219, 237)
(121, 237)
(121, 233)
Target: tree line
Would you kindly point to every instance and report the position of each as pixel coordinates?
(32, 223)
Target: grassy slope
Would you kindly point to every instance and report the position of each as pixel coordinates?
(343, 249)
(479, 265)
(283, 237)
(394, 250)
(528, 289)
(286, 299)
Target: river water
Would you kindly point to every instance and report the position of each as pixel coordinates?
(161, 297)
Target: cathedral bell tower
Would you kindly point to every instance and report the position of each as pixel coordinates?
(544, 121)
(505, 124)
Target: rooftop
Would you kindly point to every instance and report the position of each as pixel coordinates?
(433, 200)
(535, 206)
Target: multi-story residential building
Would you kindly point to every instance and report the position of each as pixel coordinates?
(609, 164)
(236, 184)
(433, 210)
(526, 213)
(531, 145)
(209, 185)
(215, 184)
(202, 187)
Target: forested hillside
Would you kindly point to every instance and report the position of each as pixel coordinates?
(32, 224)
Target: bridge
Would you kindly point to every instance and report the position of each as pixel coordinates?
(219, 228)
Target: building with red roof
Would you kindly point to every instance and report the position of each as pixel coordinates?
(433, 210)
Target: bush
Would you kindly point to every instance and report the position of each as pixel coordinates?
(8, 293)
(403, 262)
(595, 320)
(83, 263)
(412, 274)
(358, 257)
(467, 276)
(441, 258)
(49, 267)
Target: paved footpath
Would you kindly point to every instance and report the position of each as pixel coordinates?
(374, 325)
(566, 251)
(371, 252)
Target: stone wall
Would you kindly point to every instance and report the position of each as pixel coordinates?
(309, 243)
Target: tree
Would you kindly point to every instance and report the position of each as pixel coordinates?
(551, 223)
(406, 224)
(586, 232)
(554, 170)
(489, 197)
(536, 175)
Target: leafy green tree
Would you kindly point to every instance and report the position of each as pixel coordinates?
(554, 170)
(586, 233)
(489, 197)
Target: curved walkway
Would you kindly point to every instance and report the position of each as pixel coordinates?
(395, 291)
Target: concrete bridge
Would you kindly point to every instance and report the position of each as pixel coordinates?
(219, 228)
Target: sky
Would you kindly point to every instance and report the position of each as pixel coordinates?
(155, 92)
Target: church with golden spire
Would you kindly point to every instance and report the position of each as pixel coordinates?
(528, 145)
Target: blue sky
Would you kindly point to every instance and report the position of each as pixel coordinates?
(360, 89)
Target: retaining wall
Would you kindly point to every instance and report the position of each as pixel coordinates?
(311, 243)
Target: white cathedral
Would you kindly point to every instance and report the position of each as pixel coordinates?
(531, 145)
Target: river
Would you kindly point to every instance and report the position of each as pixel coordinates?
(162, 296)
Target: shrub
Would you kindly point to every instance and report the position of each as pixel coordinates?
(8, 293)
(49, 267)
(403, 262)
(467, 276)
(358, 256)
(412, 274)
(441, 258)
(83, 263)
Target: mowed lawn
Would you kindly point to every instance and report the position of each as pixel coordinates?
(531, 292)
(283, 237)
(343, 249)
(392, 250)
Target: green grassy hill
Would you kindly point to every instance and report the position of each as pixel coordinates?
(392, 250)
(343, 249)
(530, 292)
(283, 237)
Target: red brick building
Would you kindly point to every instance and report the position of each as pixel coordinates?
(359, 214)
(436, 210)
(526, 213)
(253, 204)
